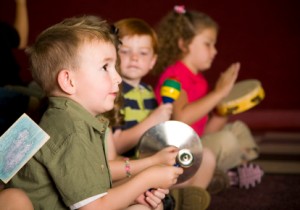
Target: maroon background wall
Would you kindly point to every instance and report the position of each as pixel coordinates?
(263, 35)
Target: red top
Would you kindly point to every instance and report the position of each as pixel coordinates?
(195, 85)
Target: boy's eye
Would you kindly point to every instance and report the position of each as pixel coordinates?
(123, 51)
(144, 53)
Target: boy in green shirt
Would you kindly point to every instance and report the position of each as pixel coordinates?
(75, 64)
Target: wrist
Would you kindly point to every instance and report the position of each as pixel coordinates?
(152, 160)
(127, 167)
(218, 95)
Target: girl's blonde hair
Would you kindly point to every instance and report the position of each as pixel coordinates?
(57, 47)
(178, 25)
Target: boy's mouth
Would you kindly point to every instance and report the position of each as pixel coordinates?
(114, 94)
(133, 67)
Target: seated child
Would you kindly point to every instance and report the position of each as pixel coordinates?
(74, 62)
(138, 53)
(186, 49)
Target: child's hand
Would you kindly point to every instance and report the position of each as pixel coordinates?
(142, 200)
(227, 79)
(160, 193)
(116, 133)
(152, 198)
(161, 113)
(166, 156)
(163, 176)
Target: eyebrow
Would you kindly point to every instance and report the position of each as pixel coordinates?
(107, 59)
(143, 48)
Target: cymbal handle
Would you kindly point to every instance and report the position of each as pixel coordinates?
(184, 158)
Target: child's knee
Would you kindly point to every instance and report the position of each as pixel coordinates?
(228, 142)
(208, 157)
(240, 125)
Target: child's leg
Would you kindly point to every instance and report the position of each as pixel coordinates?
(248, 175)
(245, 139)
(15, 199)
(193, 194)
(205, 172)
(225, 147)
(234, 146)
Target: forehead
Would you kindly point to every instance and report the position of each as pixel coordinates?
(97, 49)
(137, 40)
(208, 33)
(95, 44)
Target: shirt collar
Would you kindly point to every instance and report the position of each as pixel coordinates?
(100, 123)
(127, 87)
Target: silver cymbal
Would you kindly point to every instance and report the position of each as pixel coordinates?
(174, 133)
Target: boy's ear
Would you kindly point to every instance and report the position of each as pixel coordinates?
(66, 81)
(153, 61)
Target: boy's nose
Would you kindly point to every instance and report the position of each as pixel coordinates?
(134, 57)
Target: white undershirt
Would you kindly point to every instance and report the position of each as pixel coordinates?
(86, 201)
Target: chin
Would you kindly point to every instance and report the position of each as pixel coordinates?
(206, 68)
(109, 108)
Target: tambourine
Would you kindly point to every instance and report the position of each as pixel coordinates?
(178, 134)
(243, 96)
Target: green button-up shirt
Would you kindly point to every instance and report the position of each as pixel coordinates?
(72, 165)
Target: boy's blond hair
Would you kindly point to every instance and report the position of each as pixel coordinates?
(136, 26)
(57, 47)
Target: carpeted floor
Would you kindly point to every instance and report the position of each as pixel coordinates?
(276, 192)
(280, 186)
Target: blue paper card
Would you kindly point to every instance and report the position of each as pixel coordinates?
(18, 144)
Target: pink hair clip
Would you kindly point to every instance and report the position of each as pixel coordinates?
(179, 9)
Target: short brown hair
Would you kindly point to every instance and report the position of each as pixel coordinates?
(57, 47)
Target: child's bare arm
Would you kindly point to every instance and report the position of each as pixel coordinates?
(21, 22)
(127, 139)
(215, 123)
(149, 178)
(152, 198)
(166, 156)
(190, 112)
(111, 149)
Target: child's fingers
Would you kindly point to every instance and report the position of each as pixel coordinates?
(152, 199)
(165, 191)
(159, 194)
(171, 148)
